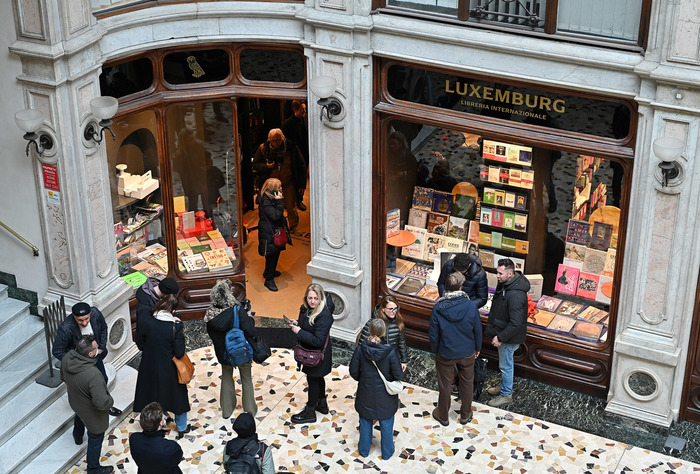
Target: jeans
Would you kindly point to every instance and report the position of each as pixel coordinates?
(181, 421)
(94, 446)
(506, 365)
(386, 428)
(445, 376)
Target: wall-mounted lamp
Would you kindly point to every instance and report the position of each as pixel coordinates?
(103, 108)
(29, 121)
(668, 150)
(323, 87)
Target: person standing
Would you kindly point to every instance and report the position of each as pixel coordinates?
(88, 397)
(160, 340)
(372, 401)
(388, 311)
(507, 325)
(455, 338)
(84, 320)
(246, 444)
(313, 332)
(476, 285)
(219, 318)
(152, 453)
(271, 212)
(149, 294)
(296, 129)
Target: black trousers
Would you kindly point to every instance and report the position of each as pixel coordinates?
(317, 389)
(271, 265)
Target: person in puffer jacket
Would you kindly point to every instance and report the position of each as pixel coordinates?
(475, 285)
(388, 311)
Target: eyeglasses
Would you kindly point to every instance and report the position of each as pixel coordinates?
(393, 310)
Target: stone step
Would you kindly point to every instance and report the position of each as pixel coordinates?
(3, 292)
(12, 312)
(45, 444)
(16, 339)
(23, 370)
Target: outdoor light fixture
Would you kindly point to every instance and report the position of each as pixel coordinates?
(29, 121)
(323, 87)
(103, 108)
(668, 150)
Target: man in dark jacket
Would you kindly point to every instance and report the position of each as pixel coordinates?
(89, 398)
(84, 320)
(507, 325)
(149, 294)
(152, 453)
(475, 285)
(296, 129)
(455, 338)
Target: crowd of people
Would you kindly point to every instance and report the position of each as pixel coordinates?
(379, 361)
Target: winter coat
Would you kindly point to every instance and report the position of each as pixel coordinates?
(271, 218)
(455, 326)
(393, 337)
(68, 334)
(314, 336)
(147, 300)
(476, 285)
(508, 316)
(297, 163)
(153, 454)
(87, 391)
(157, 378)
(236, 445)
(221, 324)
(372, 401)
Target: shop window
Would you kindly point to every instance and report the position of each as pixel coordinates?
(554, 214)
(272, 65)
(195, 67)
(127, 78)
(203, 164)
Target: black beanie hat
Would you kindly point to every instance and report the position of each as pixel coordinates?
(244, 425)
(168, 286)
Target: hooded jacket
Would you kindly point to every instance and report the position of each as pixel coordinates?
(508, 316)
(393, 337)
(455, 326)
(236, 445)
(87, 391)
(372, 401)
(476, 284)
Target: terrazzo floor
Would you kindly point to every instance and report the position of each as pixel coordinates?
(495, 441)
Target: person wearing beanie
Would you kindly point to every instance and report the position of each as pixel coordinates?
(247, 447)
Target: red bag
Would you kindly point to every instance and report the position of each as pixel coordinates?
(281, 237)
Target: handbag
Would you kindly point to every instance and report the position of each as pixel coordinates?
(280, 236)
(310, 357)
(261, 351)
(392, 388)
(183, 365)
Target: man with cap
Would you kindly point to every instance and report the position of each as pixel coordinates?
(84, 320)
(247, 446)
(149, 294)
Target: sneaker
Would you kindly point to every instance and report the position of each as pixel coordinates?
(499, 401)
(443, 423)
(494, 390)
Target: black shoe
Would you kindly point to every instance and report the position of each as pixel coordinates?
(270, 285)
(307, 415)
(301, 206)
(276, 274)
(101, 470)
(322, 406)
(168, 420)
(78, 439)
(115, 411)
(182, 433)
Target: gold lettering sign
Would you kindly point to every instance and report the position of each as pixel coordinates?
(542, 104)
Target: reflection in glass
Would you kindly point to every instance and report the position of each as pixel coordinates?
(126, 78)
(194, 67)
(272, 65)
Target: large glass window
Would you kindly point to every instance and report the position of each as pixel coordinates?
(127, 78)
(193, 67)
(272, 65)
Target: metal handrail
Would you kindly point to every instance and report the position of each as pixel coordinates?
(34, 248)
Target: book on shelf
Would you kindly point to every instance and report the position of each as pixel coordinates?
(472, 248)
(520, 202)
(161, 260)
(577, 232)
(184, 253)
(574, 255)
(393, 222)
(464, 206)
(587, 285)
(600, 236)
(487, 258)
(504, 175)
(527, 179)
(518, 262)
(500, 197)
(214, 234)
(567, 280)
(485, 217)
(182, 244)
(491, 149)
(416, 249)
(520, 222)
(231, 254)
(455, 245)
(549, 303)
(188, 220)
(219, 243)
(420, 270)
(594, 261)
(613, 241)
(410, 285)
(541, 318)
(200, 248)
(217, 260)
(496, 240)
(392, 280)
(149, 269)
(509, 220)
(522, 246)
(492, 280)
(536, 284)
(483, 173)
(135, 279)
(433, 242)
(203, 239)
(192, 241)
(194, 263)
(515, 177)
(510, 200)
(442, 202)
(428, 292)
(489, 196)
(403, 266)
(525, 156)
(609, 268)
(494, 174)
(605, 288)
(473, 235)
(485, 238)
(561, 324)
(497, 218)
(417, 218)
(569, 308)
(422, 198)
(587, 330)
(508, 243)
(459, 228)
(438, 223)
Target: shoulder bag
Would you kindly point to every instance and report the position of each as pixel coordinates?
(310, 357)
(392, 388)
(184, 366)
(280, 236)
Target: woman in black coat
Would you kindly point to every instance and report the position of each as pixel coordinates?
(388, 311)
(313, 332)
(372, 401)
(160, 339)
(271, 212)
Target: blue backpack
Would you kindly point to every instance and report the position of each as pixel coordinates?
(238, 351)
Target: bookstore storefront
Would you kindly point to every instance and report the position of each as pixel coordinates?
(501, 169)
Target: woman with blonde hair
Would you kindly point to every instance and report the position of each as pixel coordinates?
(388, 311)
(313, 332)
(271, 211)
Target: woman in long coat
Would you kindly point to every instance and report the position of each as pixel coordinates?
(313, 330)
(160, 339)
(219, 318)
(372, 401)
(271, 212)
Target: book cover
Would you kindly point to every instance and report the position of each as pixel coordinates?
(525, 156)
(410, 286)
(515, 177)
(492, 280)
(548, 303)
(214, 234)
(500, 197)
(497, 218)
(455, 245)
(520, 222)
(393, 222)
(428, 292)
(567, 280)
(219, 243)
(496, 239)
(483, 173)
(587, 285)
(485, 216)
(541, 318)
(192, 241)
(494, 150)
(521, 202)
(149, 269)
(510, 200)
(569, 309)
(188, 220)
(561, 324)
(438, 223)
(522, 246)
(508, 243)
(473, 235)
(613, 241)
(392, 280)
(200, 248)
(472, 248)
(494, 174)
(594, 261)
(518, 262)
(489, 196)
(485, 238)
(527, 179)
(459, 228)
(420, 270)
(508, 220)
(577, 232)
(161, 260)
(587, 330)
(217, 260)
(600, 236)
(417, 218)
(135, 279)
(416, 249)
(504, 175)
(203, 239)
(487, 258)
(609, 268)
(442, 202)
(423, 198)
(605, 289)
(574, 255)
(464, 206)
(403, 266)
(433, 242)
(182, 244)
(536, 284)
(589, 312)
(194, 263)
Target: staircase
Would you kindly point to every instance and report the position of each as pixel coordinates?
(36, 421)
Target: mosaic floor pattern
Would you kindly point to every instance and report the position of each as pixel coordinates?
(495, 441)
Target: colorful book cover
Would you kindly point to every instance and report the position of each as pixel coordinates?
(487, 259)
(420, 270)
(200, 248)
(521, 202)
(504, 175)
(548, 303)
(605, 289)
(485, 238)
(459, 228)
(574, 255)
(428, 292)
(569, 308)
(192, 241)
(525, 156)
(541, 318)
(416, 249)
(485, 216)
(182, 244)
(496, 239)
(508, 243)
(609, 268)
(417, 218)
(410, 286)
(518, 262)
(161, 260)
(600, 236)
(500, 198)
(442, 202)
(497, 218)
(423, 198)
(464, 206)
(438, 223)
(520, 222)
(567, 280)
(433, 242)
(577, 232)
(489, 196)
(393, 222)
(522, 246)
(135, 279)
(587, 285)
(214, 234)
(473, 235)
(536, 285)
(561, 324)
(194, 263)
(594, 261)
(510, 200)
(217, 259)
(515, 177)
(219, 243)
(509, 220)
(494, 150)
(472, 248)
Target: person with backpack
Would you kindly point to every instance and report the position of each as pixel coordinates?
(220, 317)
(245, 453)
